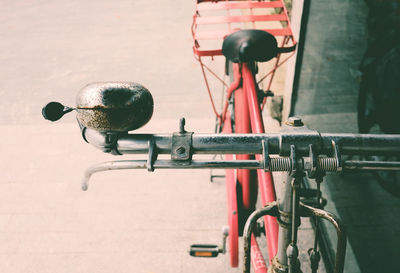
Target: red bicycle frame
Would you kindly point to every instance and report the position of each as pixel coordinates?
(246, 95)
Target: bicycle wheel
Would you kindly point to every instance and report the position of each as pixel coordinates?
(390, 181)
(366, 110)
(367, 116)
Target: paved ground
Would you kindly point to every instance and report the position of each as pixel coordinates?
(128, 221)
(327, 101)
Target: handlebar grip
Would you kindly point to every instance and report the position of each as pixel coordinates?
(54, 111)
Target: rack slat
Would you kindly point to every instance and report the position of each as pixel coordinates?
(214, 35)
(240, 19)
(237, 5)
(251, 11)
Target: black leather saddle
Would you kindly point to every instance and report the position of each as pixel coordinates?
(251, 45)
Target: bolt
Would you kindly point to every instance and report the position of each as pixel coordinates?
(180, 150)
(294, 121)
(182, 125)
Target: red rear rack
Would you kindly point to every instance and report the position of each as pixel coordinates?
(215, 19)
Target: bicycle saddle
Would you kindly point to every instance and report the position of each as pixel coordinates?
(251, 45)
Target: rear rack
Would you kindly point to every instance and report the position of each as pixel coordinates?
(215, 19)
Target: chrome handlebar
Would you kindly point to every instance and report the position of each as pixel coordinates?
(294, 149)
(278, 143)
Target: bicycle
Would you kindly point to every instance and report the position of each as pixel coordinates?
(297, 151)
(243, 49)
(302, 151)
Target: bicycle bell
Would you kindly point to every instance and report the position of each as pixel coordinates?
(110, 106)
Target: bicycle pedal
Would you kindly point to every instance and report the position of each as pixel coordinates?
(204, 251)
(210, 251)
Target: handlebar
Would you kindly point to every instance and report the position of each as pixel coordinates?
(296, 149)
(278, 144)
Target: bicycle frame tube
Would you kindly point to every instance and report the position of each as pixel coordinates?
(265, 180)
(232, 203)
(246, 178)
(248, 119)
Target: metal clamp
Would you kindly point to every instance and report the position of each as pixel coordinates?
(266, 158)
(293, 162)
(181, 149)
(310, 162)
(111, 143)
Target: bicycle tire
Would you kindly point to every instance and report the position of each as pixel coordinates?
(367, 122)
(365, 106)
(389, 181)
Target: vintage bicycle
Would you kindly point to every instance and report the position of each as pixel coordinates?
(108, 111)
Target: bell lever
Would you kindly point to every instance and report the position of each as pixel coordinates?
(54, 111)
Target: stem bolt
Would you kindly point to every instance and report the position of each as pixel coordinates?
(180, 150)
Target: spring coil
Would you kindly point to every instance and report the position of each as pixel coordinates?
(328, 164)
(283, 164)
(280, 164)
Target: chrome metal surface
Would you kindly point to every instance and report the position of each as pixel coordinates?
(270, 209)
(349, 144)
(234, 143)
(357, 144)
(168, 164)
(341, 234)
(138, 143)
(321, 151)
(359, 165)
(285, 220)
(111, 165)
